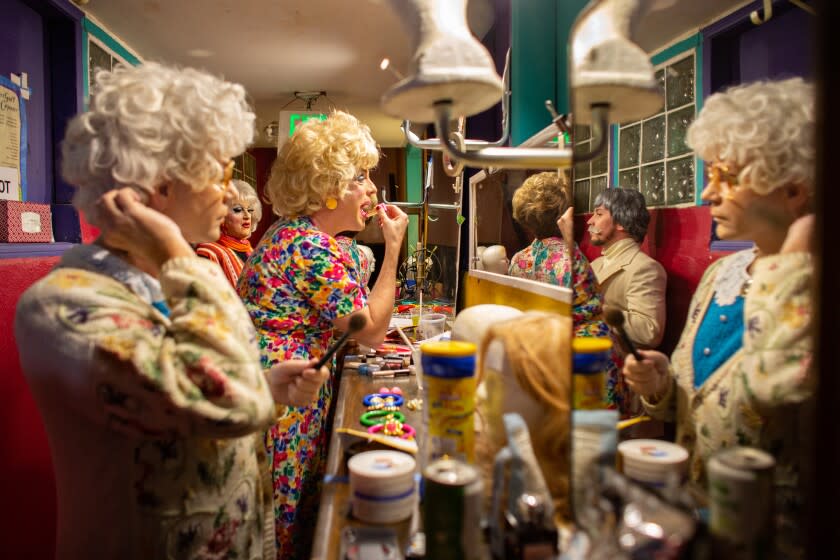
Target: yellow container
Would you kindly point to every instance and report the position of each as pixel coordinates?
(591, 360)
(449, 384)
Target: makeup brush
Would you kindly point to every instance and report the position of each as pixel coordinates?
(615, 319)
(357, 323)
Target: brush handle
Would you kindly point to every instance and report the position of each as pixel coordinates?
(629, 344)
(335, 347)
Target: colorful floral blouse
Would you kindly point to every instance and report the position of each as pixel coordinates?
(154, 401)
(546, 260)
(294, 285)
(359, 257)
(761, 395)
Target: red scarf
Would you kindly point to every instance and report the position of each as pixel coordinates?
(239, 245)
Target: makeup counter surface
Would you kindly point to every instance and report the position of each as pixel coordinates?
(335, 517)
(334, 514)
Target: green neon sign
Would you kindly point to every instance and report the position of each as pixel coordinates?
(300, 118)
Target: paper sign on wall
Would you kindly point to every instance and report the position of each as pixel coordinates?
(12, 141)
(9, 183)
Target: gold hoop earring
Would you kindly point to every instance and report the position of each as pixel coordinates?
(331, 203)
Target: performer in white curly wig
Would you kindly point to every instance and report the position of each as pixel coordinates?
(740, 374)
(152, 393)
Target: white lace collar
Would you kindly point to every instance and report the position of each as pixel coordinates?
(732, 279)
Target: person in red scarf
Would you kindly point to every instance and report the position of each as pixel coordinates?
(232, 249)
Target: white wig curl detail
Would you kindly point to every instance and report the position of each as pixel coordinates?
(766, 129)
(153, 124)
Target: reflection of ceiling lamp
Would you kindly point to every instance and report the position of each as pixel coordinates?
(270, 131)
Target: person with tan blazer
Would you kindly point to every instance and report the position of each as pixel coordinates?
(630, 280)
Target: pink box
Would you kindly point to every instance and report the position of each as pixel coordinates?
(25, 222)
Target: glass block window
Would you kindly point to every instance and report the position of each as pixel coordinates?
(652, 154)
(590, 177)
(245, 168)
(101, 57)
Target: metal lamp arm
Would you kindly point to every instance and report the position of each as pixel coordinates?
(511, 158)
(435, 144)
(520, 158)
(418, 205)
(600, 124)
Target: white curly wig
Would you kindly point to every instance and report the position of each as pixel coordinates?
(766, 129)
(153, 124)
(319, 161)
(246, 194)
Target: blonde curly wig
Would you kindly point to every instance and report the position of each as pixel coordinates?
(539, 202)
(765, 129)
(150, 125)
(318, 162)
(537, 350)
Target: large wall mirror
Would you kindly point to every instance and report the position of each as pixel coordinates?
(428, 269)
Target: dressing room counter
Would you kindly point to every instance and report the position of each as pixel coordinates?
(334, 513)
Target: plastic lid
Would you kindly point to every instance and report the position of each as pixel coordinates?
(449, 348)
(589, 345)
(652, 451)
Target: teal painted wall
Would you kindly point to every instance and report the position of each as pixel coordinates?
(539, 62)
(414, 190)
(567, 13)
(90, 28)
(533, 54)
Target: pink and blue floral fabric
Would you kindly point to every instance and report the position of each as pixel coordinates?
(294, 285)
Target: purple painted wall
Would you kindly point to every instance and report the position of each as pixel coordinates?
(22, 50)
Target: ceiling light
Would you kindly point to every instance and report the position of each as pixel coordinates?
(386, 65)
(200, 53)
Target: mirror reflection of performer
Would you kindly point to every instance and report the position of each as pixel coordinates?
(154, 399)
(537, 205)
(632, 282)
(553, 257)
(300, 287)
(740, 374)
(232, 248)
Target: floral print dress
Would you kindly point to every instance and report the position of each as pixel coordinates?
(154, 400)
(294, 285)
(359, 257)
(547, 260)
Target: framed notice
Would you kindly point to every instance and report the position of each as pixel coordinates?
(13, 141)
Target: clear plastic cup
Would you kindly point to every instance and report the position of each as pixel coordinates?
(432, 325)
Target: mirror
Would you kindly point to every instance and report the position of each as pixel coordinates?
(428, 269)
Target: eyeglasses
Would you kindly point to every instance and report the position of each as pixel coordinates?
(723, 177)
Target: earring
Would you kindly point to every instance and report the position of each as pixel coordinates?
(331, 203)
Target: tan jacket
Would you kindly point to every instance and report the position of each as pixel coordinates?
(634, 283)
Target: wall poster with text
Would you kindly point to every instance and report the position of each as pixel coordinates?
(13, 141)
